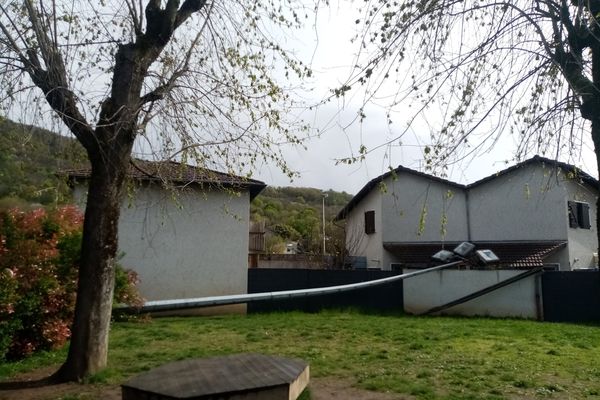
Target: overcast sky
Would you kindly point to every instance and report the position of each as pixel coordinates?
(328, 46)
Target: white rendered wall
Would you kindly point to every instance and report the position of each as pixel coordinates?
(436, 288)
(444, 217)
(582, 242)
(526, 204)
(193, 246)
(358, 242)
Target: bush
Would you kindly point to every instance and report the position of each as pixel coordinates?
(39, 259)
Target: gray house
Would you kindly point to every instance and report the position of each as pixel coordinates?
(183, 229)
(538, 212)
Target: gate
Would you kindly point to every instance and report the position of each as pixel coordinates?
(571, 296)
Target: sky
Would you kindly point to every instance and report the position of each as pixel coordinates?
(327, 46)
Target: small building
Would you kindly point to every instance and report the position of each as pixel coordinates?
(183, 229)
(536, 213)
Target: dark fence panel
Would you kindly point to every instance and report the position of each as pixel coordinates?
(380, 298)
(571, 296)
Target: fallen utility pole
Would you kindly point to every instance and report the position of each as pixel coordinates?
(181, 304)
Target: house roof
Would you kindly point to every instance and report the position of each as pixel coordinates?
(178, 173)
(574, 171)
(373, 183)
(521, 255)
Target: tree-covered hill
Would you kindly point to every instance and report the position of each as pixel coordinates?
(293, 214)
(29, 159)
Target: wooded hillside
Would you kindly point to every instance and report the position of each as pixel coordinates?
(294, 214)
(29, 160)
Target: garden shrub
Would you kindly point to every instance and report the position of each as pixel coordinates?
(39, 260)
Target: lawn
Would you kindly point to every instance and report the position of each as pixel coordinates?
(422, 357)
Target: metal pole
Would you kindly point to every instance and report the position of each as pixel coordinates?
(180, 304)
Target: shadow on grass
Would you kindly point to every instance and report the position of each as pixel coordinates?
(30, 384)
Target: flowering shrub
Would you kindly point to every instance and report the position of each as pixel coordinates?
(39, 259)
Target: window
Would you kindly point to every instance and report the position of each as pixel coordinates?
(369, 222)
(397, 266)
(579, 215)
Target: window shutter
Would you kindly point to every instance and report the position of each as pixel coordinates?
(573, 211)
(369, 222)
(583, 211)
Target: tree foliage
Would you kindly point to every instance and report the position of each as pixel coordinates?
(39, 259)
(210, 92)
(471, 71)
(294, 214)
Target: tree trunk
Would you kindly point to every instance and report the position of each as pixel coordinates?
(595, 118)
(596, 139)
(89, 342)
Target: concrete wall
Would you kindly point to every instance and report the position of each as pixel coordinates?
(527, 204)
(358, 242)
(193, 246)
(582, 242)
(426, 291)
(295, 261)
(410, 199)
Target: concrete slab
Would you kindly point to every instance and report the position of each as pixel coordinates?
(233, 377)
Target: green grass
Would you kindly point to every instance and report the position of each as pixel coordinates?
(426, 357)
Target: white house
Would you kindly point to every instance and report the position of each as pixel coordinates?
(538, 212)
(183, 229)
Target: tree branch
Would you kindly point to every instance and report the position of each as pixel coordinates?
(53, 81)
(187, 9)
(159, 92)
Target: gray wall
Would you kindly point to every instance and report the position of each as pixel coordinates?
(531, 204)
(437, 288)
(444, 218)
(582, 242)
(398, 213)
(188, 245)
(527, 204)
(359, 243)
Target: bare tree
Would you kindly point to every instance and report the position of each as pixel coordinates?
(471, 71)
(195, 79)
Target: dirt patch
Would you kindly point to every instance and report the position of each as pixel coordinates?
(64, 391)
(334, 389)
(320, 389)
